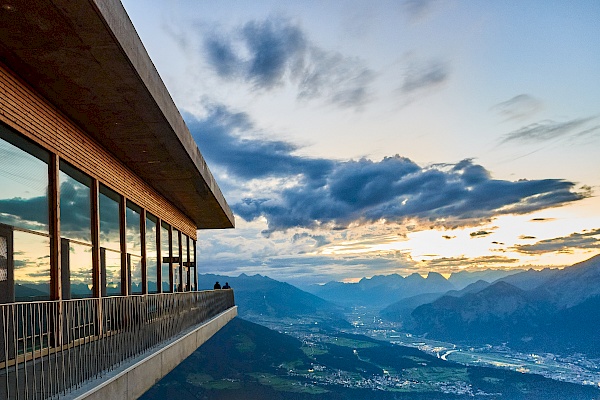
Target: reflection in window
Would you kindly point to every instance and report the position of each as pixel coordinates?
(135, 273)
(176, 261)
(109, 202)
(151, 256)
(75, 198)
(80, 270)
(23, 183)
(133, 233)
(112, 266)
(185, 263)
(31, 266)
(165, 254)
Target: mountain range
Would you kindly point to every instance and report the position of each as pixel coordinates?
(259, 297)
(381, 291)
(551, 310)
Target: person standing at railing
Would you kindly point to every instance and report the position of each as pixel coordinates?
(217, 286)
(226, 286)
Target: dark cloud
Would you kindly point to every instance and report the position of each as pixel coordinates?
(480, 234)
(525, 237)
(271, 47)
(447, 237)
(519, 107)
(586, 240)
(339, 193)
(498, 243)
(542, 219)
(29, 213)
(548, 130)
(219, 140)
(274, 52)
(424, 76)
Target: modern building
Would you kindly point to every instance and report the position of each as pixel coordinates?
(102, 190)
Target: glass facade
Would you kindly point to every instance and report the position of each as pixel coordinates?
(31, 254)
(76, 230)
(112, 267)
(24, 210)
(165, 254)
(75, 204)
(80, 270)
(133, 238)
(176, 260)
(25, 234)
(109, 204)
(185, 262)
(151, 255)
(23, 183)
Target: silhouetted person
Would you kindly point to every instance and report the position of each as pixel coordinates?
(226, 286)
(217, 286)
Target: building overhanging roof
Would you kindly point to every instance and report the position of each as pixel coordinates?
(86, 58)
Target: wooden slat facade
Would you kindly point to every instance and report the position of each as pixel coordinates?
(28, 113)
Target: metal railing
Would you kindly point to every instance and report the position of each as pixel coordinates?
(50, 348)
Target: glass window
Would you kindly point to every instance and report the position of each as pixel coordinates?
(109, 203)
(151, 256)
(135, 273)
(133, 234)
(80, 270)
(185, 262)
(133, 239)
(176, 261)
(31, 255)
(165, 244)
(112, 267)
(75, 200)
(23, 183)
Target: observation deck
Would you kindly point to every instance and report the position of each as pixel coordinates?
(103, 348)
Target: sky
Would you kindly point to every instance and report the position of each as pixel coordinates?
(356, 138)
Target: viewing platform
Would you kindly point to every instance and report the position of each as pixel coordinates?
(103, 348)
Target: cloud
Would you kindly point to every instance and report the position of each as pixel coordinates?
(542, 219)
(417, 9)
(548, 130)
(460, 263)
(274, 52)
(585, 240)
(422, 76)
(480, 234)
(448, 237)
(526, 237)
(29, 213)
(336, 194)
(519, 107)
(219, 138)
(317, 240)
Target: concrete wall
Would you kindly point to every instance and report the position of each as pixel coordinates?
(131, 381)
